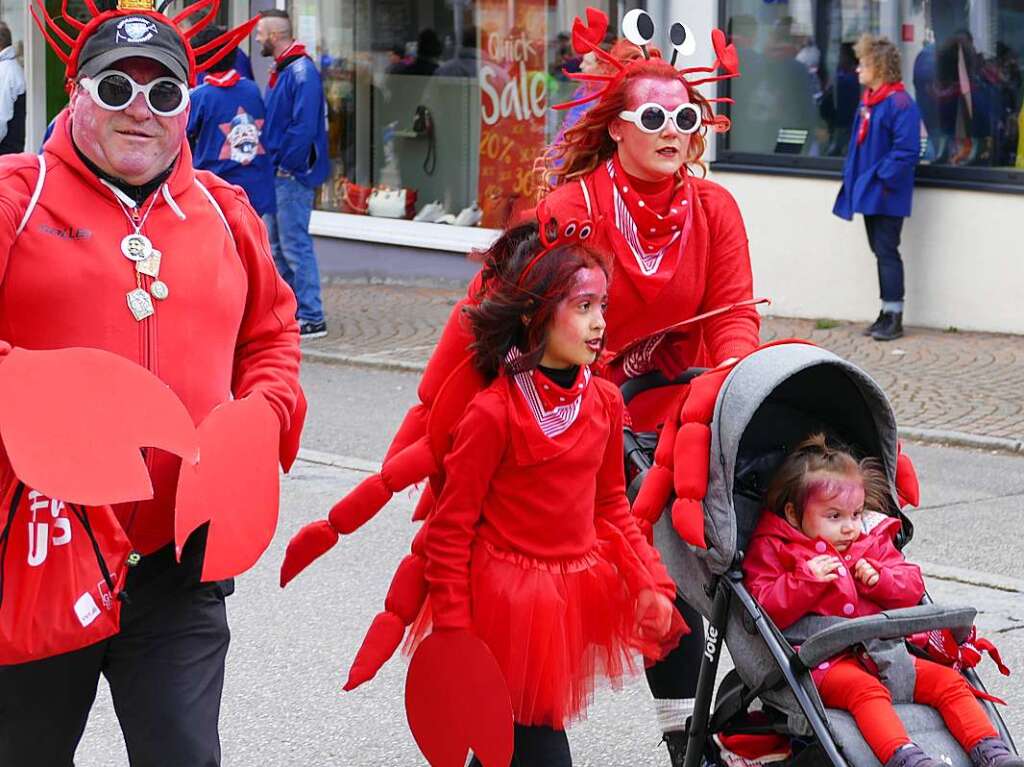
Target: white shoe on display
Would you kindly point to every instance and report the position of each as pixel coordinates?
(430, 212)
(469, 216)
(447, 218)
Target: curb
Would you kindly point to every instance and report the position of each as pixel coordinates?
(927, 436)
(962, 439)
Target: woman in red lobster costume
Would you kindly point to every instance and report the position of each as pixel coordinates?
(678, 248)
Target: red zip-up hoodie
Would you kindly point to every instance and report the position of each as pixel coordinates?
(227, 329)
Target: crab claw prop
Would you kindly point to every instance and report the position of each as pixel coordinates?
(240, 506)
(63, 426)
(589, 35)
(456, 701)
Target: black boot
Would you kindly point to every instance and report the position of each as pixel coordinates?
(676, 742)
(874, 325)
(890, 328)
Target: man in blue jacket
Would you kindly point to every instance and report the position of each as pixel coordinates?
(878, 176)
(295, 135)
(224, 127)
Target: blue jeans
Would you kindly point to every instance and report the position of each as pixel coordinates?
(292, 246)
(884, 239)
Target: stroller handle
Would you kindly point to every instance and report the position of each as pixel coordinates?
(655, 380)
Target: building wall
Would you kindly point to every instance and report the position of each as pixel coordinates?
(961, 250)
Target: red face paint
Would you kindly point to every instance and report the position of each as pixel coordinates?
(133, 144)
(653, 156)
(576, 334)
(833, 505)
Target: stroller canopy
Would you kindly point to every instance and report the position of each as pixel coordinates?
(771, 401)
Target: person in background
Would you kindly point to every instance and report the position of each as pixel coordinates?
(295, 137)
(878, 176)
(239, 62)
(428, 51)
(224, 129)
(12, 96)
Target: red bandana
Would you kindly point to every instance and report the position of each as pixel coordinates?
(555, 409)
(870, 99)
(294, 51)
(223, 80)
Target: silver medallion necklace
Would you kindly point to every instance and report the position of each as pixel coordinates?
(138, 248)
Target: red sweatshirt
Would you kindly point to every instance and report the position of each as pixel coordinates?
(524, 492)
(226, 330)
(713, 270)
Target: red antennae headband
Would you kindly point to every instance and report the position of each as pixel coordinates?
(553, 236)
(638, 28)
(66, 35)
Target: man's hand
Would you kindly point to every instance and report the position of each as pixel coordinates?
(653, 614)
(865, 572)
(824, 567)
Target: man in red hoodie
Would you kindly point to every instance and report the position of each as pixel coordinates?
(111, 240)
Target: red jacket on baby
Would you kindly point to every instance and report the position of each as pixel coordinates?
(776, 573)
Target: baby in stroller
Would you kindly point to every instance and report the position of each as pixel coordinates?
(819, 550)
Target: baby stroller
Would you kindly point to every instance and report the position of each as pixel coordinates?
(769, 402)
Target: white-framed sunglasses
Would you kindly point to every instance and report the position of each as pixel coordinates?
(114, 90)
(652, 118)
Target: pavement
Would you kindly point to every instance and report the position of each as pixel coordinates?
(290, 652)
(949, 387)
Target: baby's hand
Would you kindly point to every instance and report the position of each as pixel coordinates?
(864, 572)
(824, 567)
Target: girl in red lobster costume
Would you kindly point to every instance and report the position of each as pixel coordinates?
(532, 546)
(677, 246)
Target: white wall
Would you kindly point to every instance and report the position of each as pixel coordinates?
(961, 250)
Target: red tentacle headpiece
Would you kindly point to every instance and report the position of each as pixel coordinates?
(66, 35)
(587, 36)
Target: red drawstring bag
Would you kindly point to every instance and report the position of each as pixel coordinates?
(62, 570)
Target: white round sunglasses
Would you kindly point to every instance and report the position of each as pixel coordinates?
(115, 91)
(652, 118)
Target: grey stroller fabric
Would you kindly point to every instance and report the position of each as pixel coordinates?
(796, 377)
(770, 402)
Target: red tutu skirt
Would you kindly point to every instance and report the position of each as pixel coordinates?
(556, 626)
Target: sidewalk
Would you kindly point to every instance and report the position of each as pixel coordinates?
(964, 388)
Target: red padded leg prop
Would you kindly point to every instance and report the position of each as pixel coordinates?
(379, 644)
(359, 506)
(654, 494)
(693, 451)
(688, 520)
(309, 544)
(908, 489)
(408, 589)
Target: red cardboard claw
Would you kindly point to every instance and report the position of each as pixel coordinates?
(73, 422)
(235, 487)
(456, 700)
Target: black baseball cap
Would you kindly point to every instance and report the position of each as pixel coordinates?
(134, 35)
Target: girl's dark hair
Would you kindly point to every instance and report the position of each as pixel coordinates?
(819, 453)
(514, 311)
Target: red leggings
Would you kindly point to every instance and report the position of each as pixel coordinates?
(851, 687)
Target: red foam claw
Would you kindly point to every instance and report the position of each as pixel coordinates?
(309, 544)
(235, 487)
(728, 58)
(456, 700)
(73, 422)
(587, 36)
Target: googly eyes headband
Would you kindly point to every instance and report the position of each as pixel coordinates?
(638, 28)
(554, 236)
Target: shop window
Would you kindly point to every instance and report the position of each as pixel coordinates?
(797, 99)
(448, 101)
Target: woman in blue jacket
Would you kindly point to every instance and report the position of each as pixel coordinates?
(878, 176)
